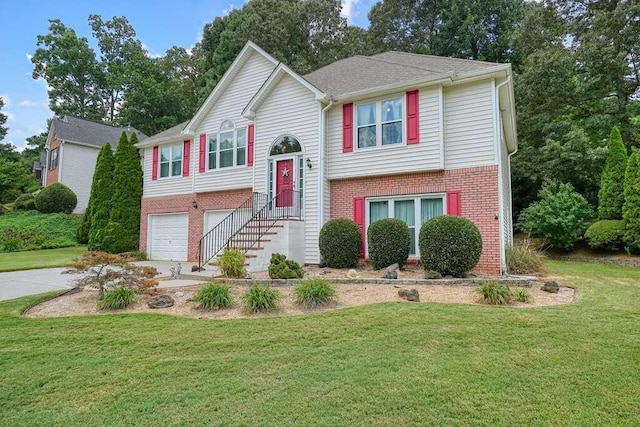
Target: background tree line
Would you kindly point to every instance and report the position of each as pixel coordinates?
(576, 66)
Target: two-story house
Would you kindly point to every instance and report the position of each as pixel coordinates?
(391, 135)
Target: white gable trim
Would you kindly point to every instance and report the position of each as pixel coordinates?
(228, 76)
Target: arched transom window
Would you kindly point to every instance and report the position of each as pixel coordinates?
(284, 145)
(228, 147)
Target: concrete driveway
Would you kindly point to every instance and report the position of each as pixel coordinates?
(17, 284)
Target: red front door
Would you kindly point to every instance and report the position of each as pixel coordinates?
(284, 183)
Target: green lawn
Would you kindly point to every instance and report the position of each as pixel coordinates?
(385, 364)
(45, 258)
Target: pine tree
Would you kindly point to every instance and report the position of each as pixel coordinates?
(631, 208)
(123, 231)
(611, 194)
(100, 199)
(82, 234)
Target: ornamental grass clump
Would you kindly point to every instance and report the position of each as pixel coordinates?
(231, 264)
(117, 298)
(494, 293)
(522, 258)
(213, 297)
(261, 298)
(314, 292)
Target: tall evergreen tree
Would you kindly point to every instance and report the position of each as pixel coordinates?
(611, 194)
(100, 196)
(631, 208)
(123, 231)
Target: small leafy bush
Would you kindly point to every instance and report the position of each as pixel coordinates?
(261, 298)
(282, 268)
(340, 242)
(522, 258)
(450, 245)
(560, 216)
(314, 292)
(231, 263)
(12, 244)
(494, 293)
(25, 202)
(521, 295)
(605, 234)
(389, 242)
(213, 297)
(56, 198)
(117, 298)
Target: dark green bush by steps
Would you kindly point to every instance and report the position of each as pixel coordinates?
(389, 242)
(605, 235)
(56, 198)
(340, 243)
(25, 202)
(282, 268)
(450, 245)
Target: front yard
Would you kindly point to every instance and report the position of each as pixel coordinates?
(390, 363)
(45, 258)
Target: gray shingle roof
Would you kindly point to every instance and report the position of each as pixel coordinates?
(74, 129)
(168, 133)
(359, 73)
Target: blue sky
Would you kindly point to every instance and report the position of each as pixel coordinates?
(159, 24)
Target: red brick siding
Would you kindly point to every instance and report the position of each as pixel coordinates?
(52, 174)
(184, 203)
(479, 192)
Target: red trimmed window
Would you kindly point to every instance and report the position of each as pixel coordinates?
(154, 164)
(202, 153)
(359, 218)
(186, 151)
(347, 128)
(454, 203)
(413, 117)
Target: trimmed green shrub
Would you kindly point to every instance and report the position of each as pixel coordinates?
(100, 190)
(340, 242)
(123, 230)
(117, 298)
(282, 268)
(25, 202)
(450, 245)
(631, 208)
(56, 198)
(605, 234)
(494, 293)
(261, 298)
(314, 292)
(560, 216)
(231, 263)
(213, 297)
(611, 194)
(523, 259)
(389, 242)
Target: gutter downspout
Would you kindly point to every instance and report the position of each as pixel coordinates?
(321, 162)
(498, 133)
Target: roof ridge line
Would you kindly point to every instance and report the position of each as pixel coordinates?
(402, 65)
(443, 57)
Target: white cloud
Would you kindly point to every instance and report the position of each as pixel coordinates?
(150, 53)
(36, 104)
(29, 56)
(349, 9)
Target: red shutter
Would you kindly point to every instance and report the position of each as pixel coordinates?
(250, 144)
(347, 128)
(358, 217)
(154, 165)
(186, 157)
(413, 121)
(454, 205)
(203, 150)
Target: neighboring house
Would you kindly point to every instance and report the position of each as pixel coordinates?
(72, 149)
(391, 135)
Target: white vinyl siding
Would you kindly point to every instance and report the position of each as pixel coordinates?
(169, 185)
(468, 121)
(389, 159)
(505, 185)
(77, 164)
(291, 109)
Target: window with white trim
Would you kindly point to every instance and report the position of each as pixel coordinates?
(53, 159)
(228, 147)
(413, 210)
(380, 123)
(171, 160)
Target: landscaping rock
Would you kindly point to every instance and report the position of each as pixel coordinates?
(196, 268)
(391, 272)
(409, 294)
(551, 287)
(431, 274)
(161, 301)
(178, 294)
(352, 274)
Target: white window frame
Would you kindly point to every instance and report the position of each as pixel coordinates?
(53, 158)
(171, 160)
(234, 130)
(379, 122)
(417, 212)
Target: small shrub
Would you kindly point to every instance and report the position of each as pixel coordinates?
(261, 298)
(282, 268)
(450, 245)
(521, 295)
(389, 242)
(56, 198)
(494, 293)
(117, 298)
(560, 216)
(231, 264)
(213, 297)
(340, 243)
(605, 234)
(314, 292)
(12, 244)
(524, 259)
(26, 202)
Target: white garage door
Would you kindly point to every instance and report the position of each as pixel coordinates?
(169, 237)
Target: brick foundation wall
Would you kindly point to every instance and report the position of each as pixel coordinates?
(183, 203)
(478, 189)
